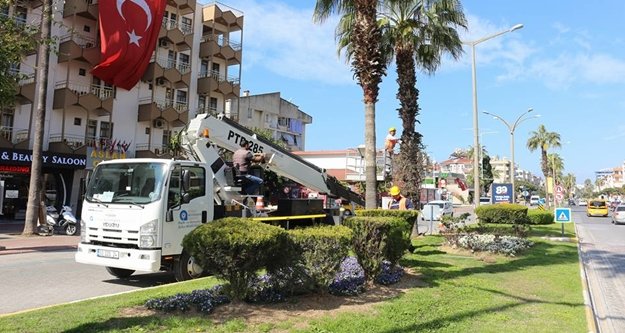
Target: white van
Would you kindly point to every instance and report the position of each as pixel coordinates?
(436, 209)
(534, 200)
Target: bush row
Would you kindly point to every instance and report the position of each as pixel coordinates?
(301, 260)
(513, 214)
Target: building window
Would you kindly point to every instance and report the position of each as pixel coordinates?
(166, 138)
(106, 129)
(86, 28)
(92, 126)
(283, 121)
(82, 72)
(77, 121)
(181, 97)
(213, 104)
(249, 112)
(7, 118)
(147, 130)
(204, 68)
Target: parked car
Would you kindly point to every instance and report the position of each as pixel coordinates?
(485, 201)
(618, 215)
(534, 200)
(436, 209)
(597, 207)
(582, 202)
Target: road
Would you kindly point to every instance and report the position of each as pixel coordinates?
(36, 279)
(603, 255)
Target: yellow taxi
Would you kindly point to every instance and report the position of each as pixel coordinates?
(597, 207)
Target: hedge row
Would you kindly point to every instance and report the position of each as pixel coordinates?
(512, 214)
(236, 249)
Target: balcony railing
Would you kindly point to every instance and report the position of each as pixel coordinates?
(13, 135)
(207, 109)
(157, 149)
(220, 78)
(168, 63)
(169, 24)
(221, 41)
(163, 104)
(74, 141)
(102, 92)
(83, 41)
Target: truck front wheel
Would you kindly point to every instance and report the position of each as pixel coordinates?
(185, 268)
(120, 273)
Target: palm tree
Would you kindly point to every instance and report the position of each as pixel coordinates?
(556, 165)
(368, 66)
(544, 140)
(416, 33)
(569, 183)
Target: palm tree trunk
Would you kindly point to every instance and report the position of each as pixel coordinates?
(371, 181)
(36, 181)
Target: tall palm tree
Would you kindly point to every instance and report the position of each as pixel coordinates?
(556, 165)
(368, 66)
(569, 183)
(543, 140)
(415, 34)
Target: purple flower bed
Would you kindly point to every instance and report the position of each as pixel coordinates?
(389, 275)
(204, 300)
(350, 279)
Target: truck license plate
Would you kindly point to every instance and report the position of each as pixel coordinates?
(108, 254)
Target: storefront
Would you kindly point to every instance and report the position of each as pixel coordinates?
(59, 173)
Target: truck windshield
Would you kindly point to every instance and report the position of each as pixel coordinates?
(134, 183)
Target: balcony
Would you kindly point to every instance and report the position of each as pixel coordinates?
(176, 113)
(91, 97)
(70, 144)
(176, 72)
(11, 137)
(26, 89)
(222, 17)
(185, 6)
(77, 47)
(212, 110)
(84, 8)
(220, 47)
(179, 34)
(147, 150)
(214, 81)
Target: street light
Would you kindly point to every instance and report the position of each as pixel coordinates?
(511, 129)
(476, 140)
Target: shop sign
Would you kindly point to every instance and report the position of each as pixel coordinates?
(501, 193)
(25, 157)
(96, 155)
(15, 168)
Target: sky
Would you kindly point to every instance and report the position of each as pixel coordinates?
(567, 63)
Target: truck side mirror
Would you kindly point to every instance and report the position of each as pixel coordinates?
(169, 216)
(186, 180)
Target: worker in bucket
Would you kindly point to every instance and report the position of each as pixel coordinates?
(399, 201)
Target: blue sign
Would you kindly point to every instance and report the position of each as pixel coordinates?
(501, 193)
(562, 215)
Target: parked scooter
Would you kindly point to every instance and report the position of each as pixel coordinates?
(65, 220)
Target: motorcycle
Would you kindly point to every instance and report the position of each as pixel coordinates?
(64, 220)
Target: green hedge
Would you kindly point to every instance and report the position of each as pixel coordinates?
(540, 216)
(376, 239)
(320, 251)
(235, 249)
(502, 213)
(409, 215)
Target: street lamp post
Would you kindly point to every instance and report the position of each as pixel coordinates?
(511, 129)
(476, 140)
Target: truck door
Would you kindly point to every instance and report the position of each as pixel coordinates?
(184, 215)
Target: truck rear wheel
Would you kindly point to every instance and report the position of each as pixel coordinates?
(120, 273)
(186, 268)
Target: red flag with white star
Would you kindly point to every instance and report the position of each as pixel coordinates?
(128, 33)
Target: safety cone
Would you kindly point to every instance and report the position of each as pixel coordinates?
(260, 205)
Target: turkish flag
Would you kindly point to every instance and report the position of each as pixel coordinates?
(128, 33)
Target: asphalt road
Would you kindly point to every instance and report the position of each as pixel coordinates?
(603, 255)
(37, 279)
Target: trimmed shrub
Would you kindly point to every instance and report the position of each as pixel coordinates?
(235, 249)
(502, 213)
(320, 251)
(401, 227)
(376, 239)
(540, 216)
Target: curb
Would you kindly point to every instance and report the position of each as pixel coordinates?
(591, 317)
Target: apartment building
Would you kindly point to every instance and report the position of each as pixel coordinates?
(270, 111)
(195, 68)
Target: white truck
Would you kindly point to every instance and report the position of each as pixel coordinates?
(137, 211)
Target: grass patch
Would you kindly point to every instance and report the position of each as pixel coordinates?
(538, 291)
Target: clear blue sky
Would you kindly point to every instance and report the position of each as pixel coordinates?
(567, 63)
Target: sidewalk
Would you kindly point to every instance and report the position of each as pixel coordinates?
(12, 241)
